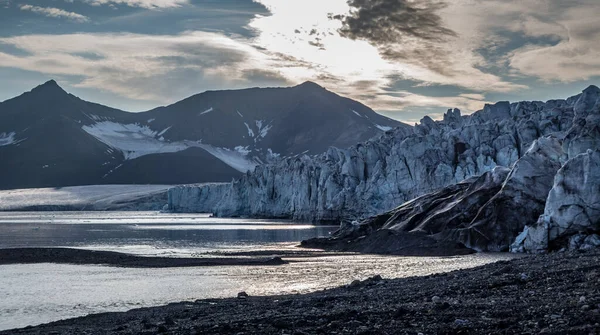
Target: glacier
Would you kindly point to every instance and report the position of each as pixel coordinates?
(377, 175)
(517, 147)
(90, 198)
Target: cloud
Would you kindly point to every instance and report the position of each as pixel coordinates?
(466, 103)
(412, 55)
(159, 68)
(553, 40)
(149, 4)
(415, 36)
(383, 22)
(360, 48)
(55, 12)
(575, 57)
(164, 68)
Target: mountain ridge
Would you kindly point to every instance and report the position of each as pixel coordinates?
(208, 137)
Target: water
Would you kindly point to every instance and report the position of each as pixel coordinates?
(149, 233)
(38, 293)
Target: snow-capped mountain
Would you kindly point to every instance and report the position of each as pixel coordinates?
(51, 138)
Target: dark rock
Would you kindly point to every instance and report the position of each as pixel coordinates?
(169, 321)
(355, 283)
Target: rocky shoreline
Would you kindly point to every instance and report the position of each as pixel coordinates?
(554, 293)
(387, 242)
(97, 257)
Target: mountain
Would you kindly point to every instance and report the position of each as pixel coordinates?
(475, 181)
(303, 119)
(49, 138)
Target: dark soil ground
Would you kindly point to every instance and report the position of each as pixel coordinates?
(551, 294)
(80, 256)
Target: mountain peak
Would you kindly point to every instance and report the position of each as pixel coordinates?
(310, 85)
(592, 88)
(49, 87)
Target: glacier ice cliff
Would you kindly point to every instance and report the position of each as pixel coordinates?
(484, 213)
(377, 175)
(477, 180)
(571, 217)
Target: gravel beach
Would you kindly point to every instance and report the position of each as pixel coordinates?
(557, 293)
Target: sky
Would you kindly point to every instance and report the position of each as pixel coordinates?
(403, 58)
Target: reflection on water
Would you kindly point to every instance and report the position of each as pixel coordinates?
(37, 293)
(147, 232)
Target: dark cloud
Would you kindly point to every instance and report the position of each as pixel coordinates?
(265, 77)
(13, 50)
(382, 22)
(328, 78)
(200, 55)
(88, 55)
(401, 84)
(290, 61)
(364, 84)
(402, 30)
(428, 55)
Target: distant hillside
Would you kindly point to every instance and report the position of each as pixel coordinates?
(50, 138)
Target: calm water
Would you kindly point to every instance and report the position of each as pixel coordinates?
(37, 293)
(148, 232)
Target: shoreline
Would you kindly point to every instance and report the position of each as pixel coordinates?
(553, 294)
(389, 242)
(112, 258)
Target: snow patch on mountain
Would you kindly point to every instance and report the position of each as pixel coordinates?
(7, 138)
(112, 170)
(97, 118)
(240, 114)
(355, 112)
(384, 128)
(164, 131)
(262, 131)
(133, 140)
(250, 131)
(207, 111)
(243, 150)
(233, 158)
